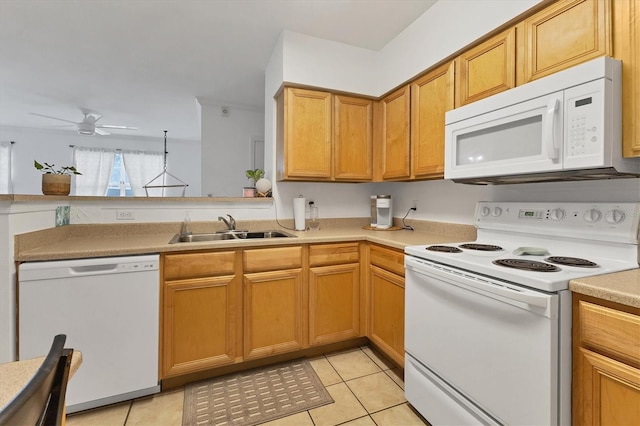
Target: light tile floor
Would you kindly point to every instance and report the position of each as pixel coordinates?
(366, 387)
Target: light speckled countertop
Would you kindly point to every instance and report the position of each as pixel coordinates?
(103, 240)
(620, 287)
(83, 241)
(15, 375)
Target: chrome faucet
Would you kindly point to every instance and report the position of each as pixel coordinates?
(231, 223)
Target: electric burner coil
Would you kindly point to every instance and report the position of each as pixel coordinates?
(527, 265)
(571, 261)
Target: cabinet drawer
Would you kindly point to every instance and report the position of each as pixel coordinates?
(196, 265)
(610, 331)
(329, 254)
(272, 259)
(391, 260)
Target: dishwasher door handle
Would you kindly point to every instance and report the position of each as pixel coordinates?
(93, 269)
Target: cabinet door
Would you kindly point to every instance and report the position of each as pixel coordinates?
(307, 139)
(626, 47)
(386, 313)
(563, 35)
(273, 315)
(431, 97)
(486, 69)
(199, 324)
(352, 139)
(396, 148)
(334, 303)
(606, 392)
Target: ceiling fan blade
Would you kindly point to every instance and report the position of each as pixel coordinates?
(112, 126)
(102, 132)
(55, 118)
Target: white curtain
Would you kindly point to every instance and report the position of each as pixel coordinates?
(96, 165)
(141, 167)
(5, 168)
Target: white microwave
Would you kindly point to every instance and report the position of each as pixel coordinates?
(566, 126)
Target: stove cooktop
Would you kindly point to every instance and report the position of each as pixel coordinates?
(544, 245)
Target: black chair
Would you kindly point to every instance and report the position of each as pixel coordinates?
(41, 401)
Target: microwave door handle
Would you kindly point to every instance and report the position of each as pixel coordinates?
(550, 128)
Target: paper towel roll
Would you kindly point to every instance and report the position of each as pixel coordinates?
(298, 213)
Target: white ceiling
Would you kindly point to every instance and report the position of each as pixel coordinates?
(142, 63)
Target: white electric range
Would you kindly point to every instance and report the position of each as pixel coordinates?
(488, 322)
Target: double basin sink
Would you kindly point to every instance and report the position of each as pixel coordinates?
(227, 235)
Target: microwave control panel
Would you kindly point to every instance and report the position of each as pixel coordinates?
(584, 112)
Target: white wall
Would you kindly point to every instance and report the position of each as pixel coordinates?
(323, 63)
(52, 146)
(226, 146)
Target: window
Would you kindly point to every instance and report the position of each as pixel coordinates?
(115, 173)
(119, 185)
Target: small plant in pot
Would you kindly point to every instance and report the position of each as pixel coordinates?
(254, 175)
(56, 181)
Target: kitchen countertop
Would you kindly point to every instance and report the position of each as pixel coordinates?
(83, 241)
(103, 240)
(15, 375)
(620, 287)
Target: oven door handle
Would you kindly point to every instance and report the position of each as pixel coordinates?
(478, 284)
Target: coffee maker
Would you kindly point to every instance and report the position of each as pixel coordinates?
(384, 214)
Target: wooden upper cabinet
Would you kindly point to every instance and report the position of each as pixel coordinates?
(396, 148)
(353, 139)
(486, 69)
(563, 35)
(431, 96)
(323, 137)
(626, 47)
(306, 146)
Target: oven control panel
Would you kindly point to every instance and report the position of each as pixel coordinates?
(617, 222)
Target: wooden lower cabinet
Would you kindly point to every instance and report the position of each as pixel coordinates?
(273, 301)
(606, 363)
(200, 311)
(386, 302)
(334, 293)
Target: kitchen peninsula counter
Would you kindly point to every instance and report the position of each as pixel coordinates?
(620, 287)
(102, 240)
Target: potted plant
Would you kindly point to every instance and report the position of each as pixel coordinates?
(254, 175)
(56, 181)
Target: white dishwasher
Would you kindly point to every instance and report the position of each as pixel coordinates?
(108, 308)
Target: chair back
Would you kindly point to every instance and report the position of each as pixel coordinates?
(41, 401)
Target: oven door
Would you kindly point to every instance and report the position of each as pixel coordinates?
(525, 137)
(485, 346)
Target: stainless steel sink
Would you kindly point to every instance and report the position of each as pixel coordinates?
(228, 235)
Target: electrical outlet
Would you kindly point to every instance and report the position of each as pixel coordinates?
(124, 215)
(414, 204)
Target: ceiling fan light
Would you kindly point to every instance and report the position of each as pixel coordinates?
(86, 129)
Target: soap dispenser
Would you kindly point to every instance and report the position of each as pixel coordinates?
(186, 225)
(314, 219)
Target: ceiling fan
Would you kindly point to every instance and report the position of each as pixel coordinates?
(88, 125)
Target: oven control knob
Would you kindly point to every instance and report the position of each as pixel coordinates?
(557, 214)
(497, 211)
(485, 211)
(592, 215)
(614, 216)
